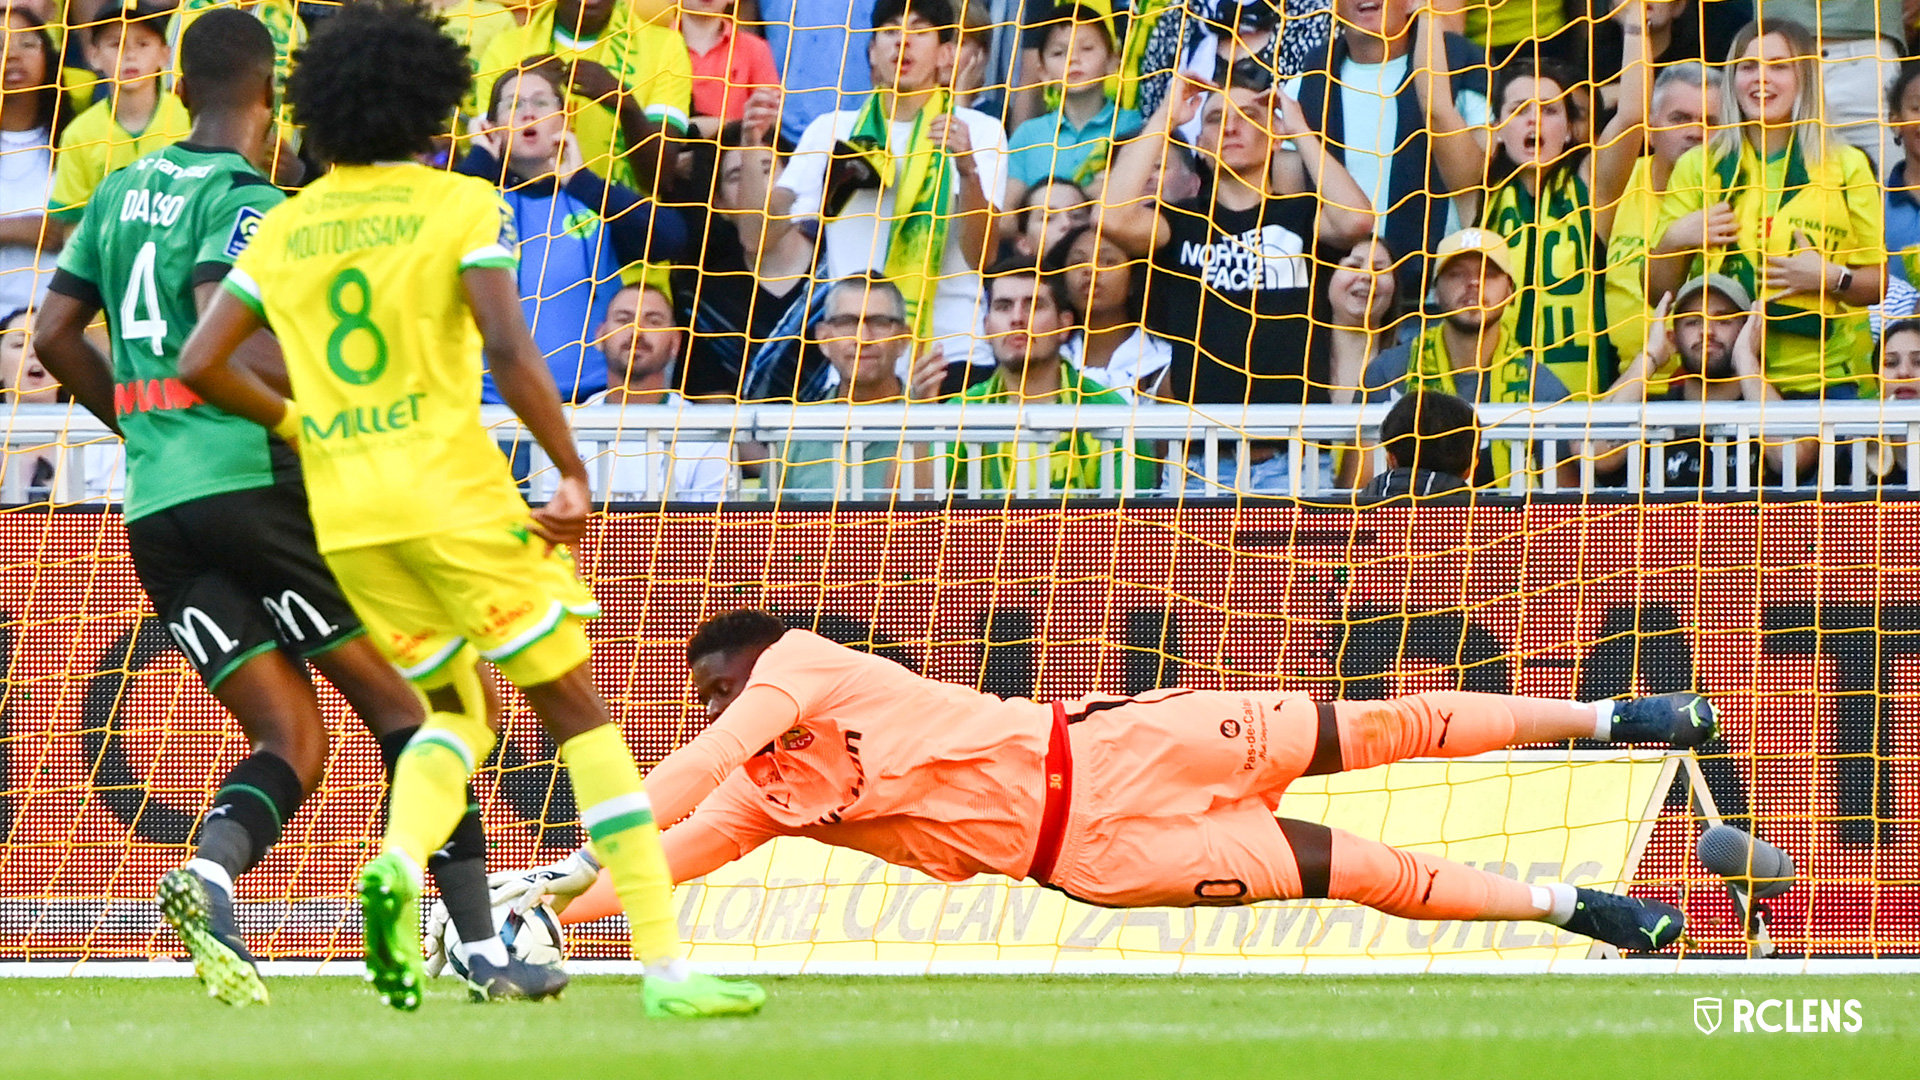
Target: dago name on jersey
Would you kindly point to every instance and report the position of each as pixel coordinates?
(158, 207)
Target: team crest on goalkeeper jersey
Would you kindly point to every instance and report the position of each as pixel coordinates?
(796, 738)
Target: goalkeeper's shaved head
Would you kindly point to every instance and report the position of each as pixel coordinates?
(378, 82)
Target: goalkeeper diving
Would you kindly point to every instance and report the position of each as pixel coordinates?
(1166, 799)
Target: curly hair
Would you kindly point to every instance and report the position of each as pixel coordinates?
(732, 632)
(378, 82)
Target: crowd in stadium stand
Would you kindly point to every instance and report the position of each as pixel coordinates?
(1123, 202)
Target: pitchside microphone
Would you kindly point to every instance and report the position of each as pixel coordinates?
(1746, 861)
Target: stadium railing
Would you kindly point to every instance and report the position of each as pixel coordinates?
(1539, 438)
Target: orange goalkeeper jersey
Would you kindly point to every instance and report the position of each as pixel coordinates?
(918, 772)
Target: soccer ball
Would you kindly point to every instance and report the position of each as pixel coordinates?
(533, 936)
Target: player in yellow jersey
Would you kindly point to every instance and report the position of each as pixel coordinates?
(385, 282)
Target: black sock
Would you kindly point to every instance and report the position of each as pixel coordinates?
(254, 802)
(459, 868)
(225, 842)
(463, 887)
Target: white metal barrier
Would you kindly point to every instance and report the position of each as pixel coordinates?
(1554, 446)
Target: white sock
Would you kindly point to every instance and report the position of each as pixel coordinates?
(493, 949)
(675, 970)
(1602, 719)
(212, 873)
(1559, 899)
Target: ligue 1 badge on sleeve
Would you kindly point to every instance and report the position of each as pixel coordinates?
(245, 224)
(1706, 1015)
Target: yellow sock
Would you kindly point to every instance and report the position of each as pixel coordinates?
(619, 819)
(430, 781)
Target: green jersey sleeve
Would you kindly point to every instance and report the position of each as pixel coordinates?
(231, 224)
(81, 257)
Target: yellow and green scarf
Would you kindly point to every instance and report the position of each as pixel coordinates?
(922, 202)
(1508, 382)
(1560, 309)
(1812, 196)
(1133, 51)
(1738, 179)
(1072, 462)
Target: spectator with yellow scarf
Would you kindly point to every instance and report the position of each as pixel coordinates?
(1027, 322)
(904, 186)
(1552, 193)
(1470, 351)
(1791, 213)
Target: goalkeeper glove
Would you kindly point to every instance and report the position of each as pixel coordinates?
(516, 890)
(435, 944)
(559, 883)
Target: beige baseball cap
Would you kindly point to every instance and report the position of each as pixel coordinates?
(1478, 242)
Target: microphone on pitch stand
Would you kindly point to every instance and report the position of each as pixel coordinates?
(1754, 870)
(1749, 863)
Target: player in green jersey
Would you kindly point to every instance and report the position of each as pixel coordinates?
(216, 513)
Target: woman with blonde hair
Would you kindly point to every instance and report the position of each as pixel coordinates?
(1792, 213)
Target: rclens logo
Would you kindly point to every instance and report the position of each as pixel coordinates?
(1799, 1015)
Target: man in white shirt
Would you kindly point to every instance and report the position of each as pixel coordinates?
(1409, 133)
(642, 342)
(831, 178)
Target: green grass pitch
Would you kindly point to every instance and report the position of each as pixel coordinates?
(1002, 1028)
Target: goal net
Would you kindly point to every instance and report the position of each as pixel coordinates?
(1795, 618)
(1179, 499)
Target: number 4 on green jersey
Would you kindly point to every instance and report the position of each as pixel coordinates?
(153, 232)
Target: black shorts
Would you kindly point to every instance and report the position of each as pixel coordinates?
(236, 574)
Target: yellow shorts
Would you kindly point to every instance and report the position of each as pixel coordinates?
(496, 588)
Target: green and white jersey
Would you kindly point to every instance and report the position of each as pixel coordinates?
(153, 231)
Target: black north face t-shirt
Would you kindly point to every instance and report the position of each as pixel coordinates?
(1234, 290)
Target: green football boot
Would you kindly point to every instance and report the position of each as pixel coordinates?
(1628, 923)
(203, 917)
(702, 995)
(390, 910)
(1683, 721)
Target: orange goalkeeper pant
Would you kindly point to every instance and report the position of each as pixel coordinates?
(1174, 796)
